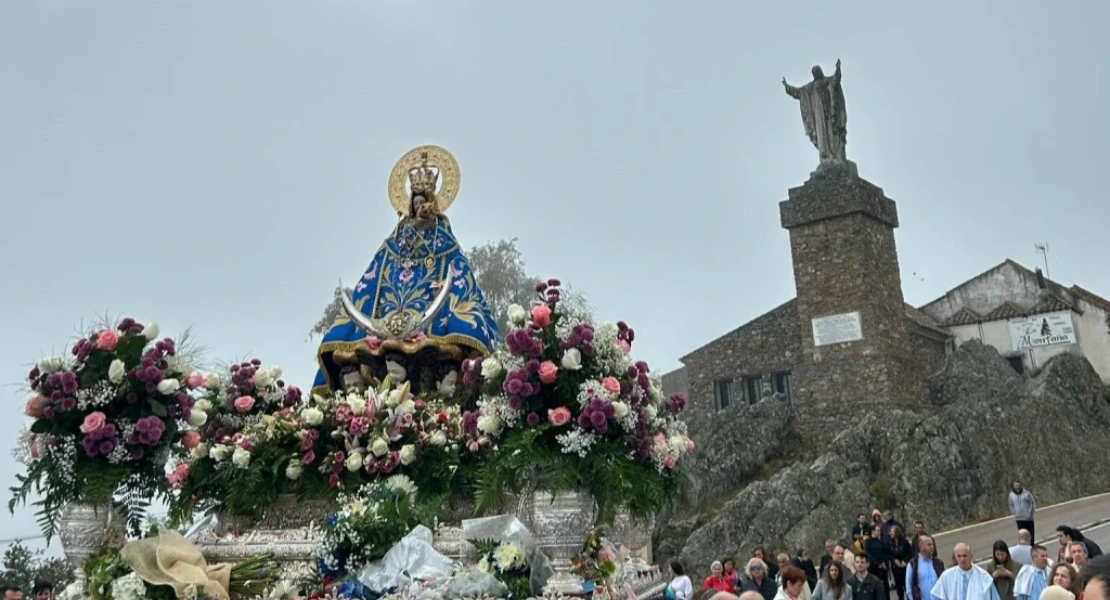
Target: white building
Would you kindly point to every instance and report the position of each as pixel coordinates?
(1027, 317)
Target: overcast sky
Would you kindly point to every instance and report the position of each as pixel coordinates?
(221, 165)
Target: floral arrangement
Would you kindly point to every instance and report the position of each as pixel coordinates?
(368, 523)
(104, 420)
(572, 412)
(508, 563)
(110, 577)
(597, 562)
(242, 452)
(320, 446)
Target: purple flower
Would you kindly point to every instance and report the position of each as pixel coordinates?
(514, 386)
(514, 402)
(137, 453)
(107, 446)
(533, 419)
(68, 403)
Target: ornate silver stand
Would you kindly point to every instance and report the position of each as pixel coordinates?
(288, 532)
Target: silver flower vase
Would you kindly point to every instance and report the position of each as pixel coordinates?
(559, 526)
(84, 530)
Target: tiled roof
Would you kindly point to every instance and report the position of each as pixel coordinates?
(1050, 303)
(1008, 310)
(923, 320)
(965, 316)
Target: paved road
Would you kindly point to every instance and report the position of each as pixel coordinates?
(1076, 513)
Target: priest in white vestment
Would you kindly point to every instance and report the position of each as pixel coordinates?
(965, 581)
(1033, 579)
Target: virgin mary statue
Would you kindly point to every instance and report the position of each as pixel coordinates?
(417, 311)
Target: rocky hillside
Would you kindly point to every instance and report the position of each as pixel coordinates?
(949, 467)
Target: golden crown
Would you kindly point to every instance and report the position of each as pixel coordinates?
(423, 179)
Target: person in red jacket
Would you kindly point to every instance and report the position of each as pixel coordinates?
(717, 580)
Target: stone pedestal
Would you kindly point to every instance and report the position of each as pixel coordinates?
(851, 312)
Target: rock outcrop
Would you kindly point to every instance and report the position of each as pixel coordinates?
(949, 467)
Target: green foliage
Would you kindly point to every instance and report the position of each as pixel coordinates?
(369, 523)
(24, 567)
(607, 472)
(880, 489)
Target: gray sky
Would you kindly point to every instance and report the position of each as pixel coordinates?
(221, 164)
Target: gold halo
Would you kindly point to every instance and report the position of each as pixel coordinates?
(439, 158)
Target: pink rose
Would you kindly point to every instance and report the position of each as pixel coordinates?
(548, 371)
(611, 385)
(93, 422)
(541, 315)
(625, 346)
(243, 403)
(472, 446)
(107, 340)
(669, 462)
(689, 446)
(558, 416)
(178, 476)
(34, 407)
(190, 440)
(194, 381)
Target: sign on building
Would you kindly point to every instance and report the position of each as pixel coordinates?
(1039, 331)
(837, 329)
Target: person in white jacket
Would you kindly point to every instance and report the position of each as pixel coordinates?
(680, 588)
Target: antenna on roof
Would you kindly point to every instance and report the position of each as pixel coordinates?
(1043, 249)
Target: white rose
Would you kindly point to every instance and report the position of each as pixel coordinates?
(489, 424)
(212, 382)
(408, 454)
(294, 470)
(263, 378)
(151, 331)
(168, 386)
(353, 462)
(572, 359)
(197, 418)
(517, 315)
(116, 371)
(491, 368)
(200, 451)
(651, 412)
(677, 442)
(358, 405)
(241, 458)
(50, 364)
(275, 372)
(219, 452)
(406, 408)
(203, 405)
(620, 410)
(312, 416)
(438, 438)
(380, 447)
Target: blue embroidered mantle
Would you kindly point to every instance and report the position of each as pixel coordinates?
(401, 277)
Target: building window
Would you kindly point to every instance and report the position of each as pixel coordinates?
(781, 384)
(722, 393)
(1016, 363)
(753, 389)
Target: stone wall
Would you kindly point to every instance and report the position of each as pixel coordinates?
(767, 344)
(945, 466)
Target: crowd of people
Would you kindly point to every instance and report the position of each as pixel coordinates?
(878, 560)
